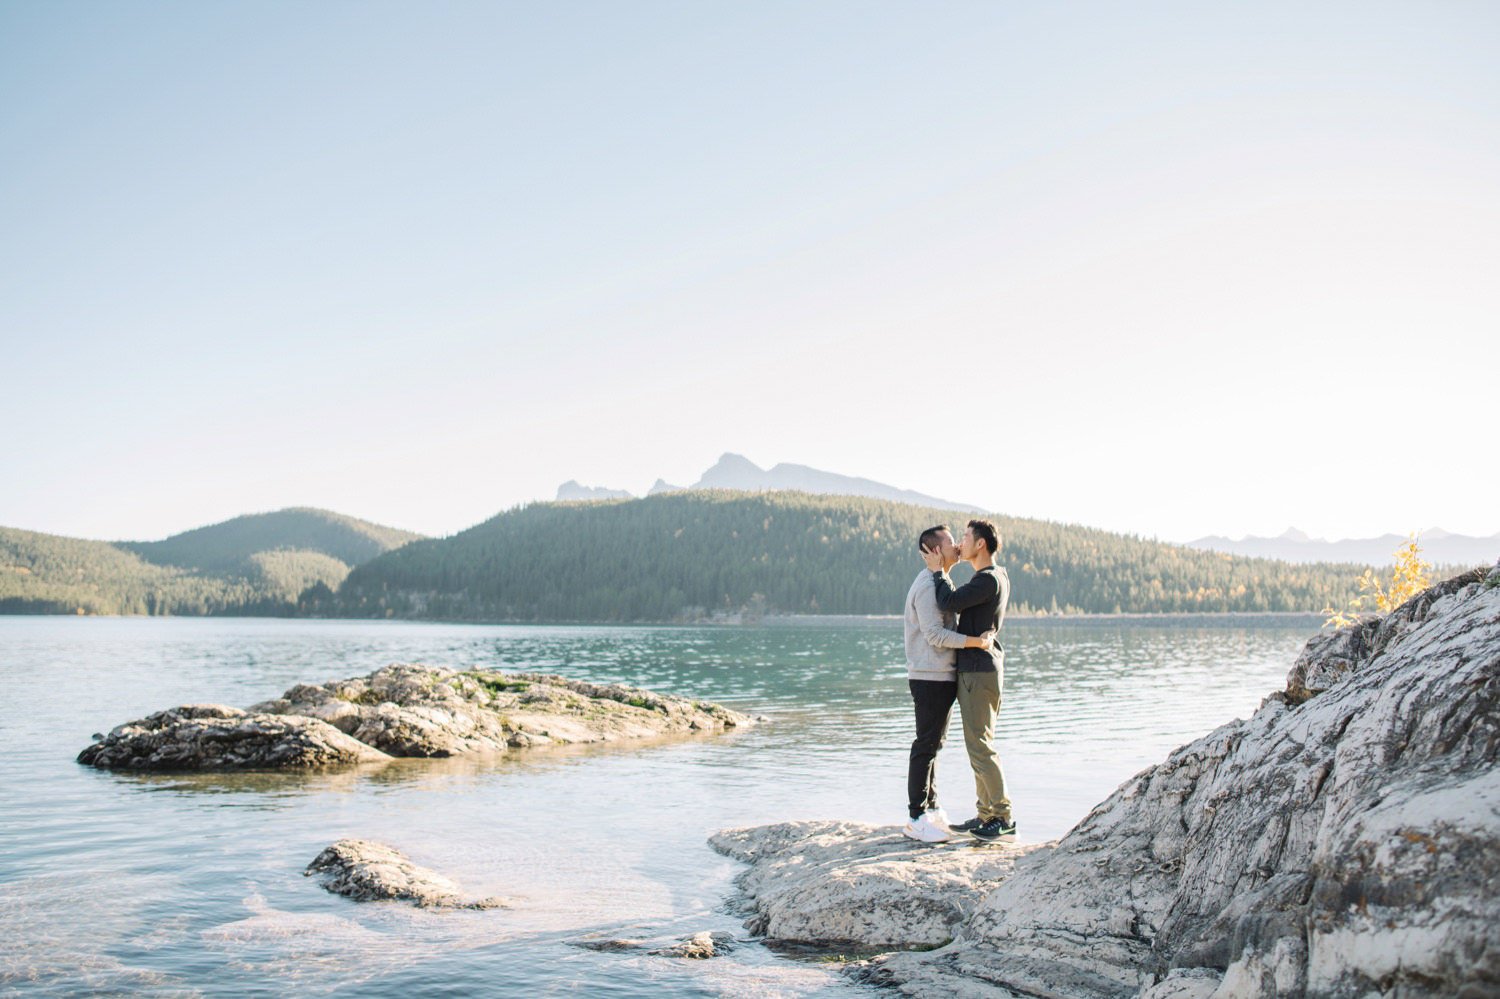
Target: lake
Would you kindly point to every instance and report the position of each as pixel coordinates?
(192, 884)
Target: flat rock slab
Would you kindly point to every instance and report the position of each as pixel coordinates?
(367, 871)
(403, 710)
(218, 737)
(852, 885)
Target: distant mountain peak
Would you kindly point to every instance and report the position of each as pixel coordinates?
(731, 460)
(735, 471)
(1439, 547)
(574, 490)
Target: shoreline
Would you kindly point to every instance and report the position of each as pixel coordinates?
(1165, 618)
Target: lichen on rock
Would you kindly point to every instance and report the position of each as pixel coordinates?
(415, 710)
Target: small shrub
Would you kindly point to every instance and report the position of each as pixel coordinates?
(1409, 576)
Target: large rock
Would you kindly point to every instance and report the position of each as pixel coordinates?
(413, 710)
(403, 710)
(860, 886)
(366, 871)
(217, 737)
(1343, 841)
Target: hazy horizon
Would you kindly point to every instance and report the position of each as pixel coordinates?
(1172, 271)
(195, 525)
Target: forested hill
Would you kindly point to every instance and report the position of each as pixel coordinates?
(228, 546)
(256, 565)
(677, 556)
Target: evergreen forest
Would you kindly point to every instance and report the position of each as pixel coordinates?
(683, 556)
(689, 555)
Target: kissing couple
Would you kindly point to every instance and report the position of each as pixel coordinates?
(952, 655)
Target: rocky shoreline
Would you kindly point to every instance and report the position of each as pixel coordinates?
(403, 710)
(1342, 841)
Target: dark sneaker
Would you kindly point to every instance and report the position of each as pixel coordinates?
(968, 825)
(995, 829)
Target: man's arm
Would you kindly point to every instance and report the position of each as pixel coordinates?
(930, 620)
(976, 591)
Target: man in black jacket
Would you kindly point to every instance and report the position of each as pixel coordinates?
(980, 604)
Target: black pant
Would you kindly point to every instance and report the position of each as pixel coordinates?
(934, 702)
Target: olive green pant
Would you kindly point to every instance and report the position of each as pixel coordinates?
(979, 706)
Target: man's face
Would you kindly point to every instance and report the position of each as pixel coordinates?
(947, 547)
(967, 546)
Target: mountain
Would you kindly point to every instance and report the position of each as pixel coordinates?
(682, 555)
(734, 471)
(1438, 547)
(572, 490)
(256, 564)
(229, 546)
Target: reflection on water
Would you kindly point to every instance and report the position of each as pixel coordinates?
(174, 884)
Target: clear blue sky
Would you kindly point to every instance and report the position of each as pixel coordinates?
(1173, 269)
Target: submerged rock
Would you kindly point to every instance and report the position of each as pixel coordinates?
(403, 710)
(611, 945)
(848, 884)
(1342, 841)
(366, 871)
(217, 737)
(699, 946)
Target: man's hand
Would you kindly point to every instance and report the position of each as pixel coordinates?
(934, 559)
(985, 641)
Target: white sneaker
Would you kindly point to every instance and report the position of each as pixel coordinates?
(940, 819)
(924, 829)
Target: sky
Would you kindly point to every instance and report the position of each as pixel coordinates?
(1167, 269)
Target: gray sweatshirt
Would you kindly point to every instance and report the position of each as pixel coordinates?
(930, 638)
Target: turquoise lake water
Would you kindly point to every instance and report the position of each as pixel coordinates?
(192, 885)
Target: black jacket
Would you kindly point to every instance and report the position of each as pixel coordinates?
(980, 604)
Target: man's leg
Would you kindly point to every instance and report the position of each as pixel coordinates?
(933, 700)
(979, 705)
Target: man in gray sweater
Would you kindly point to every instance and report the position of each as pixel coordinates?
(931, 676)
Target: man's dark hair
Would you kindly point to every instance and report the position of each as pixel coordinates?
(929, 538)
(986, 530)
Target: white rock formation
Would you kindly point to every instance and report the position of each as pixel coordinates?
(1343, 841)
(859, 886)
